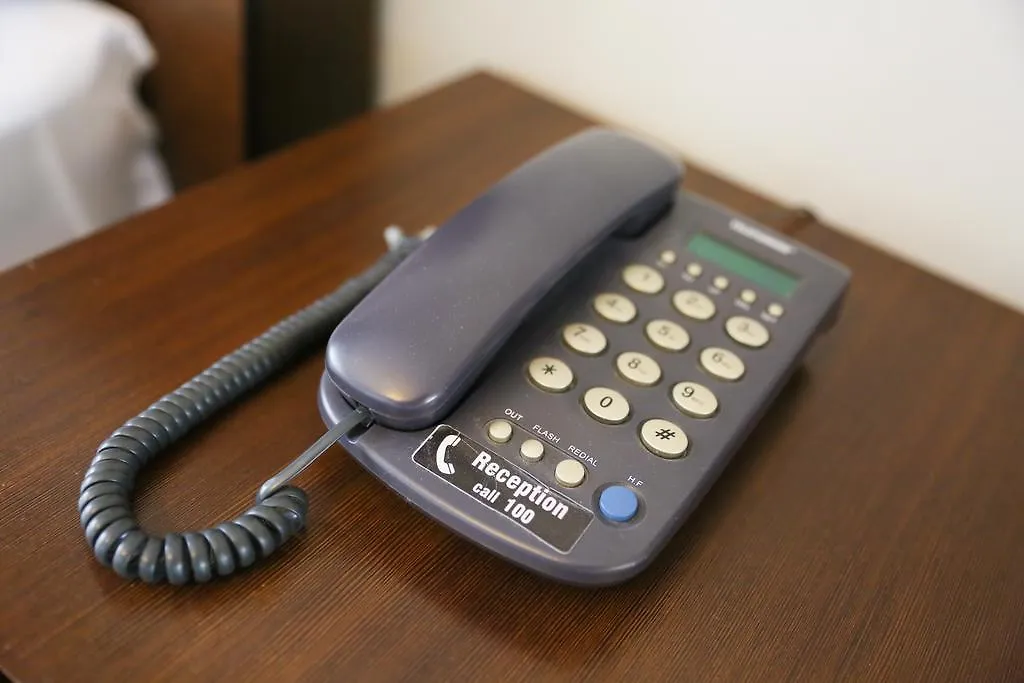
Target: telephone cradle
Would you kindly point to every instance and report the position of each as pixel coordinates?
(559, 373)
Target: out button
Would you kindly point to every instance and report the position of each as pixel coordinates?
(618, 503)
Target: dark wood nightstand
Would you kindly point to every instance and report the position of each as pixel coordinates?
(870, 528)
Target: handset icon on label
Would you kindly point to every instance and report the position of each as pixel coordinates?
(443, 466)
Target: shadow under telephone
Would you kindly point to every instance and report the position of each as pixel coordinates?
(559, 373)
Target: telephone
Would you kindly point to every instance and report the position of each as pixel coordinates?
(559, 373)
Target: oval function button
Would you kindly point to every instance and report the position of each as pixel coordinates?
(667, 335)
(721, 282)
(694, 270)
(748, 296)
(570, 473)
(663, 438)
(638, 368)
(618, 503)
(747, 331)
(499, 431)
(693, 304)
(531, 450)
(614, 307)
(643, 278)
(550, 374)
(722, 363)
(585, 339)
(668, 257)
(606, 405)
(694, 399)
(776, 310)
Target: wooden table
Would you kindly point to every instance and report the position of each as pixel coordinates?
(872, 528)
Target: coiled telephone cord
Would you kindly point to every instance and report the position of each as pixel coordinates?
(105, 501)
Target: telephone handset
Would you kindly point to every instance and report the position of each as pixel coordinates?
(559, 373)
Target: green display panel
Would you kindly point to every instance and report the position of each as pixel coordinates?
(730, 258)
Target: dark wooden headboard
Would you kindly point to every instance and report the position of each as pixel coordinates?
(237, 79)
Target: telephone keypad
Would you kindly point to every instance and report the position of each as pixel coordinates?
(695, 400)
(638, 368)
(606, 405)
(722, 363)
(663, 438)
(643, 279)
(747, 331)
(615, 307)
(550, 374)
(693, 304)
(584, 339)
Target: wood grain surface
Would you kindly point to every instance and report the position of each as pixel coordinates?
(871, 529)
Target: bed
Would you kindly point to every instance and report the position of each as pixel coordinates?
(77, 148)
(109, 108)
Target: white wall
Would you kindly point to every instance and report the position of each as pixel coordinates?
(900, 120)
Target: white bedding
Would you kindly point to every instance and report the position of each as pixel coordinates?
(77, 150)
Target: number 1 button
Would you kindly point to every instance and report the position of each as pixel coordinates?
(606, 405)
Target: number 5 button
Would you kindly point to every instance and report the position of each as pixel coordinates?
(606, 405)
(722, 363)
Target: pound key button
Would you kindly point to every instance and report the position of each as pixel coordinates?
(618, 504)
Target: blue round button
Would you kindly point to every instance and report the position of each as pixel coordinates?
(618, 503)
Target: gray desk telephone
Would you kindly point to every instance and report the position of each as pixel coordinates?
(558, 374)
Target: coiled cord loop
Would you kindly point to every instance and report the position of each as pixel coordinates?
(105, 500)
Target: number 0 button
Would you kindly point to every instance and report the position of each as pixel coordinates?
(606, 405)
(722, 363)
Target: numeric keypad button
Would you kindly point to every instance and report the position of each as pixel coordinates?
(550, 374)
(694, 304)
(614, 307)
(694, 399)
(584, 339)
(638, 368)
(663, 438)
(606, 405)
(722, 363)
(643, 279)
(747, 331)
(667, 335)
